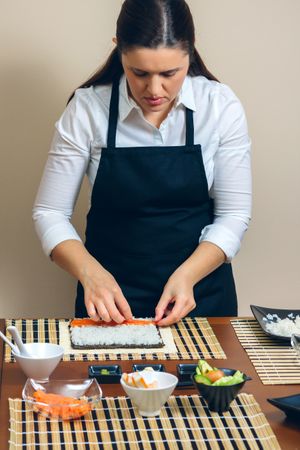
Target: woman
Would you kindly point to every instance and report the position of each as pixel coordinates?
(166, 151)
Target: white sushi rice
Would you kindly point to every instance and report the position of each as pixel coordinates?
(123, 335)
(283, 327)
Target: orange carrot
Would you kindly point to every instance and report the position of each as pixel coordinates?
(58, 406)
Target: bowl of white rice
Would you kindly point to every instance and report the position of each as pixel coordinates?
(277, 323)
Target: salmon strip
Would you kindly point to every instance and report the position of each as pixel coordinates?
(90, 322)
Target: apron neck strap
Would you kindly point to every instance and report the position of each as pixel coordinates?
(189, 127)
(113, 115)
(113, 119)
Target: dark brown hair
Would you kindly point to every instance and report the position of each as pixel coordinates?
(151, 24)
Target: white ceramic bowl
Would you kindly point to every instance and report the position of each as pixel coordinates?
(45, 357)
(149, 401)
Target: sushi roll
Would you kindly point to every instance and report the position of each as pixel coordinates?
(134, 333)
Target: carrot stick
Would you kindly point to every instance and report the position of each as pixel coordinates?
(55, 405)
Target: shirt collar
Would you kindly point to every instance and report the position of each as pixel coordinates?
(185, 97)
(126, 103)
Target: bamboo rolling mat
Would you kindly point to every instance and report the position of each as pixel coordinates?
(193, 338)
(274, 360)
(184, 423)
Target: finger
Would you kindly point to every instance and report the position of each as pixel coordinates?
(123, 305)
(177, 313)
(114, 312)
(92, 312)
(162, 305)
(168, 320)
(173, 317)
(168, 311)
(103, 312)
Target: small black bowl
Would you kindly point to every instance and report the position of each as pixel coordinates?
(218, 398)
(184, 371)
(105, 374)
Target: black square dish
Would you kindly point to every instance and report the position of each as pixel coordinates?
(290, 405)
(261, 314)
(105, 373)
(140, 367)
(185, 371)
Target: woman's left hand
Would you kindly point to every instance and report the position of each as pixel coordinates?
(177, 300)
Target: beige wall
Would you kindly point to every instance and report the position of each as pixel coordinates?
(49, 47)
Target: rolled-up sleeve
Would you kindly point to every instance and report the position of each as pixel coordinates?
(65, 167)
(231, 188)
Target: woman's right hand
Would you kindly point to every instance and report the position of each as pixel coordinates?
(103, 296)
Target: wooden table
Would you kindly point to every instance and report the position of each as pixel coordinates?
(287, 432)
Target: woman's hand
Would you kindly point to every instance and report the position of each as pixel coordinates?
(103, 296)
(177, 299)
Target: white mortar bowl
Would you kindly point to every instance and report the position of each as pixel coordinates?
(149, 401)
(45, 357)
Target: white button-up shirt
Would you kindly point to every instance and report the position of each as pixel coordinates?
(220, 128)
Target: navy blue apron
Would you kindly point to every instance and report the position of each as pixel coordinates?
(148, 207)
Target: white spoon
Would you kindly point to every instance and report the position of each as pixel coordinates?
(12, 346)
(17, 338)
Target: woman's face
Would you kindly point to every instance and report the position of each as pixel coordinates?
(155, 77)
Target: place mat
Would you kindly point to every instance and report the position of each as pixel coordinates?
(274, 360)
(184, 423)
(193, 338)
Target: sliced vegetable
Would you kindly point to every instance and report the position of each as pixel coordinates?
(58, 406)
(215, 375)
(206, 374)
(204, 367)
(236, 378)
(202, 379)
